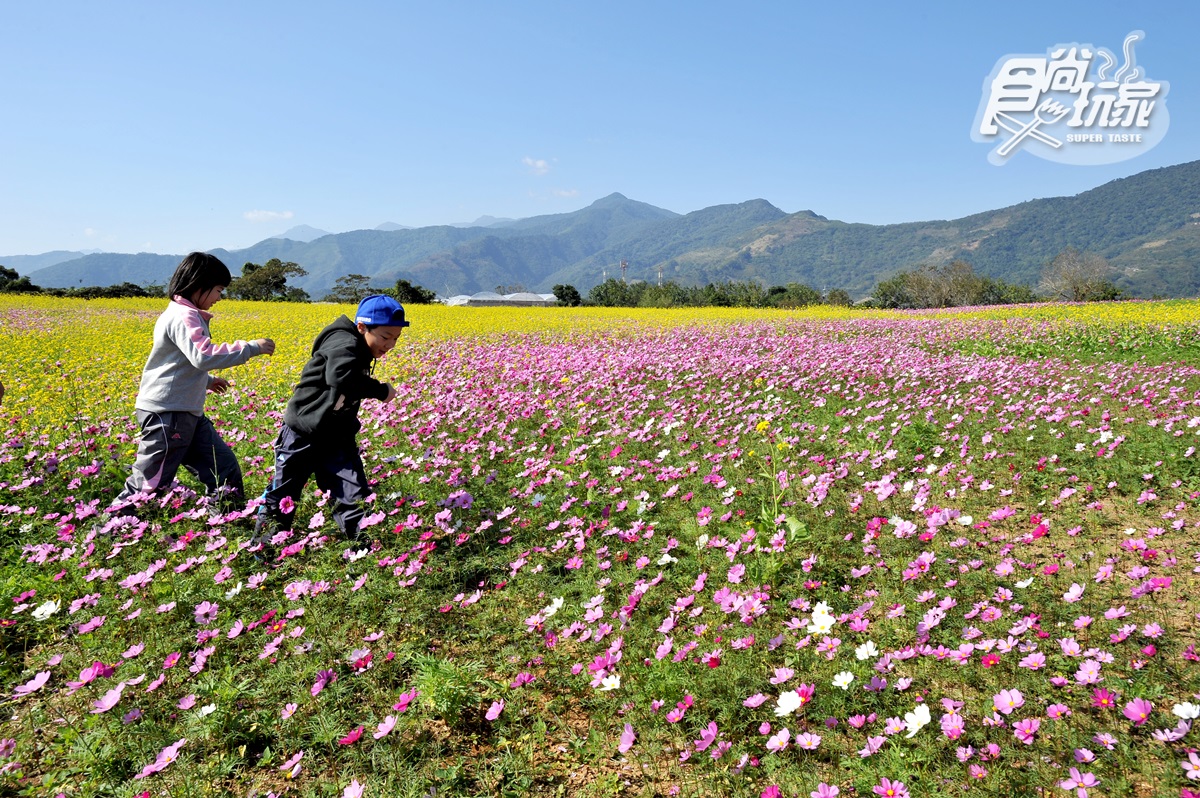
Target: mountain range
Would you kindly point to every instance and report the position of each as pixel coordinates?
(1146, 225)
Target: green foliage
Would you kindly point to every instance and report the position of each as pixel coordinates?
(567, 295)
(268, 282)
(13, 283)
(952, 285)
(350, 289)
(408, 294)
(795, 295)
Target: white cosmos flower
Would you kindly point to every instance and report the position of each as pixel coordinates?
(610, 682)
(44, 611)
(233, 591)
(554, 607)
(789, 702)
(1025, 582)
(917, 719)
(843, 680)
(1186, 710)
(866, 650)
(822, 623)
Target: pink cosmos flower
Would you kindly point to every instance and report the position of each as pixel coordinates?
(1056, 711)
(1079, 782)
(708, 736)
(352, 737)
(108, 700)
(807, 741)
(187, 702)
(891, 789)
(206, 612)
(628, 738)
(385, 726)
(292, 766)
(1024, 730)
(1007, 700)
(1138, 710)
(825, 791)
(165, 757)
(495, 709)
(405, 700)
(33, 685)
(353, 790)
(779, 742)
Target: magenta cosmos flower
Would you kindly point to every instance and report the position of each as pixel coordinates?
(1138, 710)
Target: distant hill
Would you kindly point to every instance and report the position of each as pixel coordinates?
(1147, 225)
(27, 264)
(389, 227)
(108, 268)
(485, 221)
(303, 233)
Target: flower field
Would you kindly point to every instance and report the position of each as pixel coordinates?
(623, 552)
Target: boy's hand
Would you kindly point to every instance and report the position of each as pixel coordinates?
(219, 385)
(391, 393)
(266, 346)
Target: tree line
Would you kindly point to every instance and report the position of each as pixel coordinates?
(1071, 276)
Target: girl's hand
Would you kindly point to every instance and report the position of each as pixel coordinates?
(266, 346)
(219, 385)
(391, 393)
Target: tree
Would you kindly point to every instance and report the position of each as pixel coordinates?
(613, 293)
(893, 293)
(839, 296)
(793, 295)
(1076, 276)
(998, 292)
(567, 295)
(13, 283)
(350, 289)
(952, 285)
(268, 282)
(408, 294)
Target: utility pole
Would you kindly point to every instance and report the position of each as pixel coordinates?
(660, 271)
(624, 268)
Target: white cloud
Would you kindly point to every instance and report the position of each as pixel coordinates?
(267, 216)
(565, 192)
(90, 232)
(538, 166)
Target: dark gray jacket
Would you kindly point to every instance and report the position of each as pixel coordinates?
(333, 383)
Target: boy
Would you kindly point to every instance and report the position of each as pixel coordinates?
(321, 420)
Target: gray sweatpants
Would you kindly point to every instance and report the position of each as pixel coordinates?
(173, 439)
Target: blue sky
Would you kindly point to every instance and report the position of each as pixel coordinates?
(168, 127)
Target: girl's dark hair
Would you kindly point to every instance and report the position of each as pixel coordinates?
(198, 271)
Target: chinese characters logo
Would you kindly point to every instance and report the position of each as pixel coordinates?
(1071, 106)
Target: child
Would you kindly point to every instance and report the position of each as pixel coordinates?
(170, 400)
(321, 420)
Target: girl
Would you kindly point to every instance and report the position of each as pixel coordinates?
(170, 400)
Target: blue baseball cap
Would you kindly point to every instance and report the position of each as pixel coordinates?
(381, 310)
